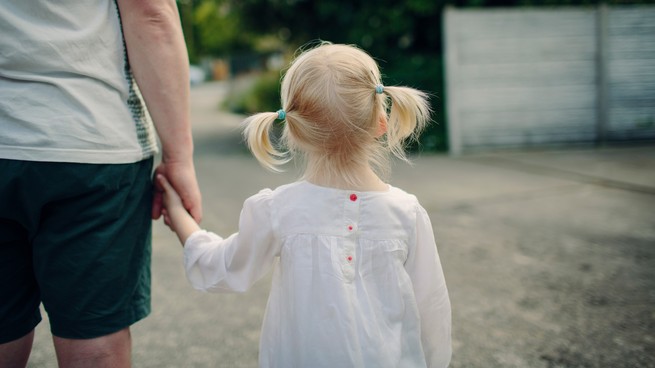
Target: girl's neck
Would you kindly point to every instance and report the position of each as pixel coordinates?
(360, 178)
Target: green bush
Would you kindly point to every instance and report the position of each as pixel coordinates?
(262, 96)
(423, 72)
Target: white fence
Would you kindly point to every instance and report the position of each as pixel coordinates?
(525, 77)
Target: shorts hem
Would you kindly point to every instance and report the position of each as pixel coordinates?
(92, 329)
(5, 338)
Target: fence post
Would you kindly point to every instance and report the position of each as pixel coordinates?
(602, 73)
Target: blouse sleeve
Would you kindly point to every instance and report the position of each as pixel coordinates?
(424, 268)
(233, 264)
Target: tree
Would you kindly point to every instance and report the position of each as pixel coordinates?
(219, 28)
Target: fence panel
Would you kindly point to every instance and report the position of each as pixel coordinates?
(522, 77)
(631, 73)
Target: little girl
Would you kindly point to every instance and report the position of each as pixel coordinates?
(357, 280)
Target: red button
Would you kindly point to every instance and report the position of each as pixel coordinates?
(350, 227)
(350, 258)
(353, 197)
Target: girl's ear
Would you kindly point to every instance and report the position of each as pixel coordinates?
(382, 126)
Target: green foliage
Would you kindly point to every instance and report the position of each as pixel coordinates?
(263, 95)
(382, 27)
(424, 72)
(216, 28)
(405, 38)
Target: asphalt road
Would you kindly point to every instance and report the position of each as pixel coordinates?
(549, 256)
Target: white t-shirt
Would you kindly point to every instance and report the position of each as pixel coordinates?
(66, 91)
(357, 279)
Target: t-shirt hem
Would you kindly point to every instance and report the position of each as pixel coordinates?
(76, 156)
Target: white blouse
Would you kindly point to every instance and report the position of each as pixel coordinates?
(358, 283)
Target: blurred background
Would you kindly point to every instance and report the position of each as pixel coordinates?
(528, 72)
(255, 40)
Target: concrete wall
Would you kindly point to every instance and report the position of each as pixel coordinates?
(525, 77)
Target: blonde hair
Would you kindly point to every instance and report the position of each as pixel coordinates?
(333, 115)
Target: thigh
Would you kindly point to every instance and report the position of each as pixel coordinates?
(92, 249)
(17, 352)
(113, 350)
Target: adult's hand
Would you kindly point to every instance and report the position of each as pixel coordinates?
(182, 177)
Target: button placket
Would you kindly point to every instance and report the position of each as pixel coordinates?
(351, 216)
(351, 212)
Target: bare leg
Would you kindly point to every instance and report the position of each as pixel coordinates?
(14, 354)
(109, 351)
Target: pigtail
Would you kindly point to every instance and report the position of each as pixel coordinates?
(257, 134)
(408, 116)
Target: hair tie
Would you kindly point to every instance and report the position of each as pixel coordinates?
(281, 114)
(379, 89)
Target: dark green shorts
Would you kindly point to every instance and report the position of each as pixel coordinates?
(75, 237)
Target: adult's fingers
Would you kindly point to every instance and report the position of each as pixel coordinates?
(157, 204)
(196, 212)
(157, 195)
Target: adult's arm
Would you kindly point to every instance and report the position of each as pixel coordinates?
(159, 62)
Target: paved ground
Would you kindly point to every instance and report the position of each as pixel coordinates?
(549, 256)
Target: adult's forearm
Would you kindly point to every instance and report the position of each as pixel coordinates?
(159, 62)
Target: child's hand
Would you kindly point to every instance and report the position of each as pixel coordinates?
(175, 215)
(172, 200)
